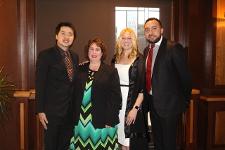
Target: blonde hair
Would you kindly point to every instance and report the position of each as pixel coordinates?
(119, 48)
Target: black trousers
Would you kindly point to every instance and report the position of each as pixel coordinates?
(164, 129)
(58, 134)
(137, 143)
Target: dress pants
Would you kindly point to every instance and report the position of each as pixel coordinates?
(58, 134)
(164, 129)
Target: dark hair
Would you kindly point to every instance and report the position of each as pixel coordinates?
(65, 24)
(99, 42)
(150, 19)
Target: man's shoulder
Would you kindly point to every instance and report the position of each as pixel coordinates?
(74, 54)
(47, 52)
(171, 44)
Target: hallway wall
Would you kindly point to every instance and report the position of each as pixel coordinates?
(91, 19)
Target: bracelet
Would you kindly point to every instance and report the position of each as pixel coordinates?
(136, 107)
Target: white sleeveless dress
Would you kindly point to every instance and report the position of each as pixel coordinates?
(123, 71)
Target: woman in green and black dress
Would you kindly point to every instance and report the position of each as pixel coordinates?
(97, 102)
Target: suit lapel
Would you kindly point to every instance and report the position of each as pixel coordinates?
(58, 57)
(84, 74)
(146, 52)
(60, 62)
(99, 74)
(74, 59)
(160, 53)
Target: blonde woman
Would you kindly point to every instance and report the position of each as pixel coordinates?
(130, 64)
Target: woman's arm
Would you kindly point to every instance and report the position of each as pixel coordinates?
(131, 117)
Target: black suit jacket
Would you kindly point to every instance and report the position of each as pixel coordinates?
(171, 81)
(105, 95)
(53, 87)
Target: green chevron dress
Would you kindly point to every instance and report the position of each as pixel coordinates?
(86, 137)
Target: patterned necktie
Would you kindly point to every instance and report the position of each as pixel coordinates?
(69, 65)
(149, 68)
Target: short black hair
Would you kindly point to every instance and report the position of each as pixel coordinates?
(65, 24)
(150, 19)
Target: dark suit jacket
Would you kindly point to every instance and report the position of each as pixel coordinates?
(53, 87)
(106, 95)
(171, 82)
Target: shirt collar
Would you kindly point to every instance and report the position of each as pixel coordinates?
(60, 50)
(159, 42)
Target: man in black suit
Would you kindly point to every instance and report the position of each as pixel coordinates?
(168, 84)
(55, 71)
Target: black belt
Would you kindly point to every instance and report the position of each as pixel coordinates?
(149, 95)
(138, 135)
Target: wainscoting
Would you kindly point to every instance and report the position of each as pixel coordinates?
(200, 128)
(211, 123)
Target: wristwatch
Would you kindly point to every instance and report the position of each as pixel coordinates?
(136, 107)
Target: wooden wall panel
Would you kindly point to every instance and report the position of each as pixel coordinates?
(26, 42)
(17, 43)
(196, 40)
(220, 128)
(8, 39)
(211, 123)
(205, 36)
(206, 63)
(180, 21)
(219, 24)
(9, 130)
(17, 36)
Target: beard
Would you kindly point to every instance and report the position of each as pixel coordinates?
(153, 41)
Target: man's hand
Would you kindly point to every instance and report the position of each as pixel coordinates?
(43, 119)
(84, 62)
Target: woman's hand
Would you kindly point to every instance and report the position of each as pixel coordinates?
(131, 117)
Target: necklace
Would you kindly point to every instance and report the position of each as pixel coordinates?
(94, 67)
